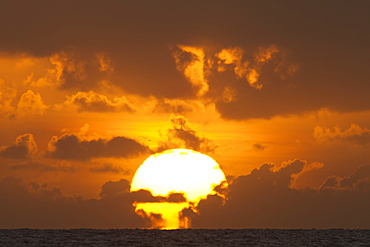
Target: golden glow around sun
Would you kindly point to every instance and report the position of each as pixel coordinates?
(176, 171)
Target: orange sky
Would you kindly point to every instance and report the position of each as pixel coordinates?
(276, 92)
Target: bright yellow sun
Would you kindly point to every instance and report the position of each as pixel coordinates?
(177, 171)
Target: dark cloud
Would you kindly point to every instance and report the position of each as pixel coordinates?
(24, 147)
(330, 182)
(176, 197)
(41, 206)
(258, 147)
(79, 71)
(138, 36)
(358, 180)
(109, 168)
(143, 196)
(180, 135)
(112, 188)
(281, 95)
(112, 28)
(70, 147)
(360, 174)
(262, 199)
(265, 199)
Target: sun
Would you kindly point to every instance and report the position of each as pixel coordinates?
(177, 171)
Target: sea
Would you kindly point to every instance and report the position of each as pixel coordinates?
(184, 237)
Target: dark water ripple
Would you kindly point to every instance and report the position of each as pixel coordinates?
(185, 237)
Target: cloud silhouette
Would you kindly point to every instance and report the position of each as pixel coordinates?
(24, 146)
(180, 135)
(112, 188)
(358, 180)
(71, 147)
(109, 168)
(361, 174)
(258, 147)
(143, 196)
(47, 207)
(176, 197)
(264, 199)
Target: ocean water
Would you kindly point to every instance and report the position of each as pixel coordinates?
(184, 237)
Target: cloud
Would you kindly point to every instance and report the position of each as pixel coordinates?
(265, 176)
(175, 106)
(71, 147)
(24, 147)
(354, 134)
(330, 182)
(7, 95)
(191, 61)
(249, 69)
(109, 168)
(262, 199)
(306, 172)
(68, 69)
(229, 95)
(258, 147)
(80, 71)
(265, 199)
(360, 174)
(112, 188)
(232, 56)
(104, 52)
(104, 62)
(180, 135)
(270, 72)
(359, 180)
(94, 102)
(42, 167)
(176, 197)
(44, 72)
(48, 207)
(145, 196)
(265, 54)
(30, 104)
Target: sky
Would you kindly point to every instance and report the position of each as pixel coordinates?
(277, 92)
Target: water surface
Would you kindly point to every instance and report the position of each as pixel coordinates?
(184, 237)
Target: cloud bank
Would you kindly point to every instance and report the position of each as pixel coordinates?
(71, 147)
(262, 199)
